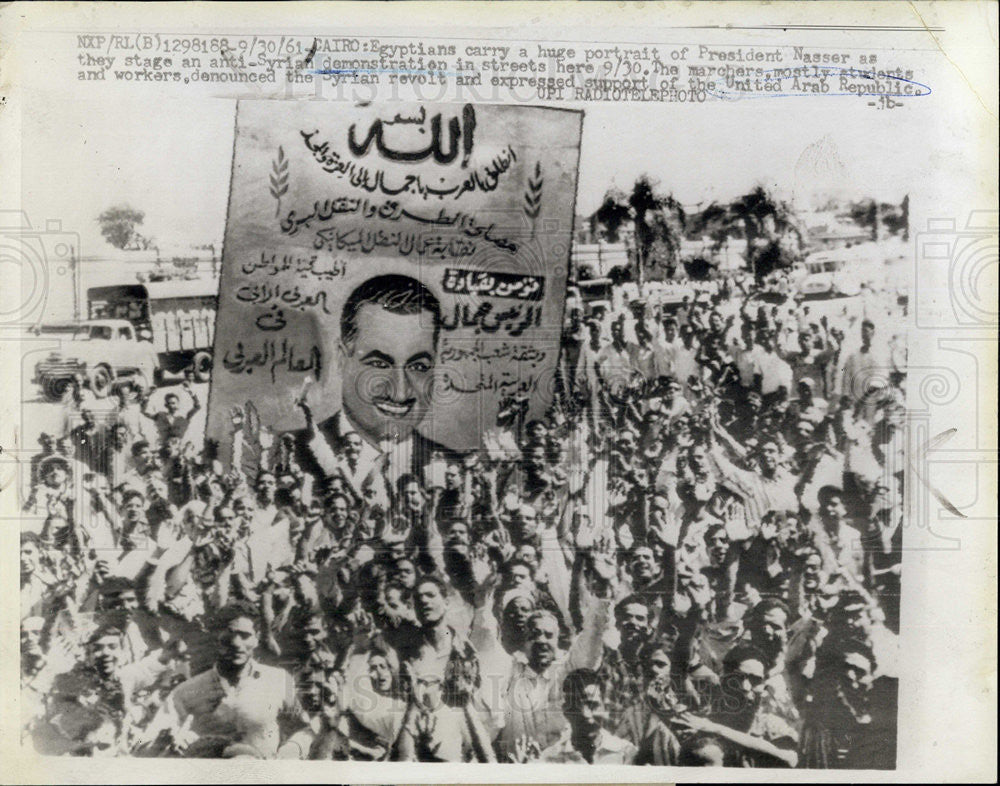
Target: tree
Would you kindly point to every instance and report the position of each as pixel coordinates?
(698, 268)
(895, 218)
(715, 222)
(657, 222)
(770, 228)
(620, 274)
(118, 226)
(865, 215)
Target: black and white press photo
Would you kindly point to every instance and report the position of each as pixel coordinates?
(505, 422)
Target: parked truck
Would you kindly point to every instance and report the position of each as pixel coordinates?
(134, 332)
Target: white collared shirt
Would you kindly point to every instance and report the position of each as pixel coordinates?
(248, 711)
(370, 462)
(610, 750)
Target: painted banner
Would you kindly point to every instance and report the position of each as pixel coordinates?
(403, 265)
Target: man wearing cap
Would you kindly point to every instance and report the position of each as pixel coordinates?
(53, 495)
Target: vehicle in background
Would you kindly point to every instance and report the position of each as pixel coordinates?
(177, 316)
(595, 292)
(669, 295)
(172, 322)
(100, 351)
(834, 275)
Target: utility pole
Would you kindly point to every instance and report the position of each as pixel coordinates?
(74, 266)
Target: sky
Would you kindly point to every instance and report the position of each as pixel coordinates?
(171, 158)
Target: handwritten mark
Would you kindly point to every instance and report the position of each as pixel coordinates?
(311, 53)
(932, 444)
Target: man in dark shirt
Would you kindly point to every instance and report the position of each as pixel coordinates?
(752, 737)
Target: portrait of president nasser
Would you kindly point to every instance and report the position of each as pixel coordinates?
(389, 329)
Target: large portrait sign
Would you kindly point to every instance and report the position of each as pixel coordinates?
(403, 265)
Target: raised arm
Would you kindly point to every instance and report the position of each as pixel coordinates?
(195, 402)
(740, 739)
(145, 405)
(588, 647)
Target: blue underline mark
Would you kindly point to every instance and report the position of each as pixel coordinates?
(736, 95)
(349, 71)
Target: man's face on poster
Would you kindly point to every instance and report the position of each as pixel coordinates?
(387, 372)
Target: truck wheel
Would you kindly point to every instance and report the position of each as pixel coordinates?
(139, 383)
(55, 388)
(202, 365)
(100, 382)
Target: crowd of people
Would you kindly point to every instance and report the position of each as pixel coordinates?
(693, 559)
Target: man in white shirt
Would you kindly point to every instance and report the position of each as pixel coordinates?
(669, 345)
(865, 372)
(615, 361)
(270, 542)
(745, 355)
(645, 355)
(771, 372)
(237, 701)
(586, 740)
(533, 695)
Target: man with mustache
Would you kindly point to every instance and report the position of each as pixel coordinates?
(621, 669)
(838, 731)
(534, 690)
(751, 735)
(586, 739)
(389, 329)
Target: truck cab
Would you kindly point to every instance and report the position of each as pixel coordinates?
(101, 351)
